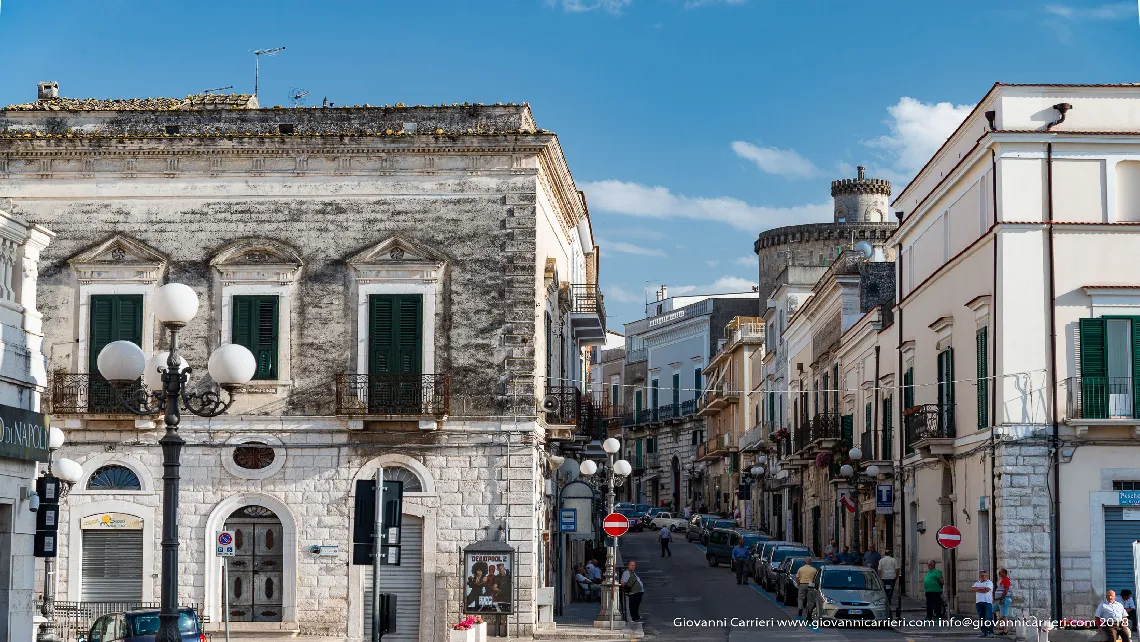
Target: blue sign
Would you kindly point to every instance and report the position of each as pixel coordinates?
(569, 521)
(884, 499)
(1130, 498)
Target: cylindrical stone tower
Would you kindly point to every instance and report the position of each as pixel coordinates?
(861, 200)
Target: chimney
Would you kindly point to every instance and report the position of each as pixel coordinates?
(664, 293)
(48, 90)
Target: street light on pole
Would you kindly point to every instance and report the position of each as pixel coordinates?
(122, 363)
(848, 471)
(616, 473)
(68, 472)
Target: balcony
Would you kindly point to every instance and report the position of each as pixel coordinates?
(930, 429)
(393, 396)
(717, 397)
(752, 439)
(717, 447)
(825, 432)
(688, 407)
(1101, 401)
(652, 460)
(587, 314)
(86, 394)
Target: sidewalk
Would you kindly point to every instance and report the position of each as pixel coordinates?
(577, 622)
(915, 610)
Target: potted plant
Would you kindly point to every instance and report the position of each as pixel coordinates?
(464, 631)
(823, 459)
(480, 629)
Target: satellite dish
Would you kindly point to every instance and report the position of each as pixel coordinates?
(865, 248)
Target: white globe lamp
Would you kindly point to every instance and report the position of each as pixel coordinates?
(121, 361)
(156, 365)
(588, 468)
(175, 304)
(611, 445)
(846, 470)
(622, 468)
(762, 459)
(67, 469)
(55, 438)
(232, 365)
(855, 453)
(873, 471)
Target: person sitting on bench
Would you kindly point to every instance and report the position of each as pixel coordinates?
(588, 588)
(1112, 618)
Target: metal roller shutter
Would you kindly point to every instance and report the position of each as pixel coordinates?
(404, 580)
(1118, 537)
(112, 566)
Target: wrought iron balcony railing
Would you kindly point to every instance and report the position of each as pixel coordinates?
(652, 460)
(825, 427)
(1101, 398)
(85, 393)
(688, 407)
(586, 298)
(929, 421)
(406, 395)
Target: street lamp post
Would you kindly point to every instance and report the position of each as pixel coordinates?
(616, 472)
(758, 474)
(68, 472)
(165, 376)
(852, 474)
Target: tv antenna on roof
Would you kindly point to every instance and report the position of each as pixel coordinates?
(257, 54)
(209, 91)
(297, 96)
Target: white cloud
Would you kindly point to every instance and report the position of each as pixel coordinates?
(918, 129)
(580, 6)
(771, 160)
(622, 295)
(712, 264)
(621, 247)
(1112, 11)
(749, 260)
(635, 199)
(723, 285)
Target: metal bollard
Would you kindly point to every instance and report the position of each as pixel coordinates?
(1043, 631)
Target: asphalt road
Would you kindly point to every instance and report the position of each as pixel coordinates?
(684, 587)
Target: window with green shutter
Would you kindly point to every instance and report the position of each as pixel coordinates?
(615, 394)
(654, 397)
(255, 322)
(847, 429)
(676, 394)
(908, 388)
(1110, 367)
(697, 383)
(772, 408)
(983, 379)
(637, 407)
(395, 334)
(946, 392)
(888, 428)
(114, 317)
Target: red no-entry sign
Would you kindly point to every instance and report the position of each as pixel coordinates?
(949, 537)
(615, 524)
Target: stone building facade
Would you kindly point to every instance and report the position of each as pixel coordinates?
(457, 230)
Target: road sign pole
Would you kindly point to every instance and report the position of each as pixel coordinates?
(226, 597)
(377, 626)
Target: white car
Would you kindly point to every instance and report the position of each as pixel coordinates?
(668, 520)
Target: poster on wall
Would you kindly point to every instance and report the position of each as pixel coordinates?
(488, 585)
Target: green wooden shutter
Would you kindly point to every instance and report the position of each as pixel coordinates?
(655, 397)
(1094, 369)
(867, 420)
(888, 428)
(637, 407)
(255, 327)
(983, 386)
(772, 408)
(908, 389)
(697, 383)
(1135, 367)
(614, 395)
(847, 429)
(114, 317)
(395, 333)
(676, 394)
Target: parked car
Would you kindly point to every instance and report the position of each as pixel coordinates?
(635, 523)
(852, 592)
(719, 551)
(641, 508)
(717, 523)
(142, 626)
(654, 512)
(756, 561)
(621, 505)
(661, 520)
(697, 526)
(787, 591)
(774, 557)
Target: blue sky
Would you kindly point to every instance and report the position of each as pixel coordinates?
(691, 124)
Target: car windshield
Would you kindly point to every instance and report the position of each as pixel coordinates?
(147, 623)
(767, 547)
(628, 512)
(750, 540)
(850, 580)
(782, 553)
(724, 523)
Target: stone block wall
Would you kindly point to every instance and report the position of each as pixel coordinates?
(1024, 543)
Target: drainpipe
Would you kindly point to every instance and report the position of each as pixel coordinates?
(1055, 571)
(993, 379)
(899, 496)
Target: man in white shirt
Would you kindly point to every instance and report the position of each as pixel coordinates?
(589, 589)
(688, 512)
(1112, 619)
(634, 590)
(984, 603)
(593, 571)
(889, 573)
(666, 537)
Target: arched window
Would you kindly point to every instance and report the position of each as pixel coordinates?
(114, 477)
(412, 483)
(253, 455)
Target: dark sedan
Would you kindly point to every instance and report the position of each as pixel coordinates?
(142, 626)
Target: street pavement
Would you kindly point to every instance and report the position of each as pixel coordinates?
(684, 587)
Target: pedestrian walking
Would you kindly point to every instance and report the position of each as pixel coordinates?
(634, 590)
(871, 557)
(984, 603)
(666, 537)
(932, 586)
(804, 577)
(1112, 618)
(1003, 599)
(739, 557)
(889, 573)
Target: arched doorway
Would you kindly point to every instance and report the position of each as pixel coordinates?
(676, 484)
(255, 578)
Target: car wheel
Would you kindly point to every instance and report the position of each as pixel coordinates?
(712, 560)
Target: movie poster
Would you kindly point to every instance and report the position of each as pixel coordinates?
(488, 586)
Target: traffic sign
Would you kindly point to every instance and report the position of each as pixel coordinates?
(615, 524)
(949, 537)
(225, 544)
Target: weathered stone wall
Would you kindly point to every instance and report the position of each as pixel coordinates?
(810, 244)
(1024, 544)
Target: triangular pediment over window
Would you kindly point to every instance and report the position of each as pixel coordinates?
(119, 259)
(257, 260)
(398, 259)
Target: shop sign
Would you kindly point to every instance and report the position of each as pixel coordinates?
(488, 585)
(23, 434)
(111, 521)
(1130, 498)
